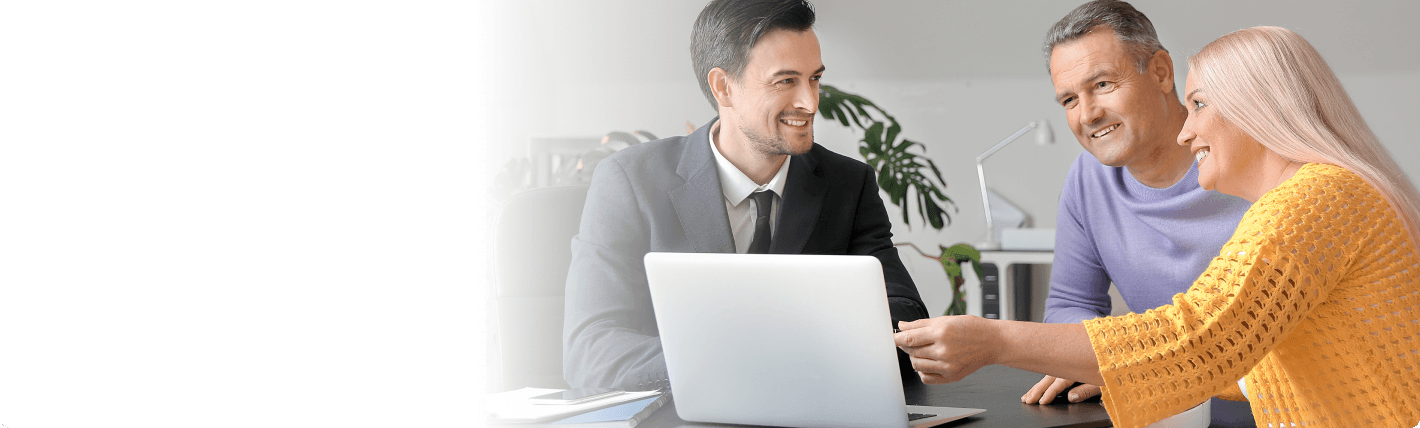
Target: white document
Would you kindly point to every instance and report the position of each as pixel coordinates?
(514, 407)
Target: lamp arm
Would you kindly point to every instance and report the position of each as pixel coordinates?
(1006, 141)
(981, 178)
(985, 201)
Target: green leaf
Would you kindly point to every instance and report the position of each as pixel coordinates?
(936, 172)
(838, 111)
(900, 171)
(874, 132)
(857, 118)
(952, 267)
(904, 145)
(962, 252)
(934, 214)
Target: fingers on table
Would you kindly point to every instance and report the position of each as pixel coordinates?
(1084, 392)
(1060, 385)
(1050, 387)
(1053, 390)
(1033, 395)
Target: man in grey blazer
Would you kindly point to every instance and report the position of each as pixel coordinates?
(720, 190)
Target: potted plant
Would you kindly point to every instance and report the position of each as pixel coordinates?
(908, 178)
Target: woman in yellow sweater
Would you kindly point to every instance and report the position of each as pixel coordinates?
(1312, 309)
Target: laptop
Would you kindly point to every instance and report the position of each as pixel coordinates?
(782, 340)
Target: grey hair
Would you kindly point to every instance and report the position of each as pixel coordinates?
(726, 30)
(1130, 27)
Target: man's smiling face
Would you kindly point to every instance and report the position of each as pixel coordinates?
(1117, 114)
(777, 94)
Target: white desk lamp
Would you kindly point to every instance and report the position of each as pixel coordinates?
(1042, 138)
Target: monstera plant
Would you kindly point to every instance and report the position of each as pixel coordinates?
(909, 178)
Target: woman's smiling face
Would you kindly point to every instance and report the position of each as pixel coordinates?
(1228, 159)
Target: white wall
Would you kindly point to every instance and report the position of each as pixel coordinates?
(959, 76)
(226, 214)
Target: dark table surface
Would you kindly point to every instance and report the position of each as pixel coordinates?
(994, 388)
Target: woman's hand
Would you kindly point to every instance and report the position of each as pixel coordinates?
(947, 349)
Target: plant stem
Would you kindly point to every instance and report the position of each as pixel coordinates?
(919, 250)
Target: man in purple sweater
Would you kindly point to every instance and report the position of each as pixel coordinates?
(1131, 212)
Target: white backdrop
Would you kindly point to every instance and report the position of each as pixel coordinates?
(270, 212)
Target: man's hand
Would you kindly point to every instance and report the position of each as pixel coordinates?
(947, 349)
(1049, 387)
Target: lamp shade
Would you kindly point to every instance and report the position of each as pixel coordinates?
(1044, 135)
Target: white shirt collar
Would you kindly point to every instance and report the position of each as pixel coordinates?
(735, 184)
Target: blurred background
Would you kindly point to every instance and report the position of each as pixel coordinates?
(959, 76)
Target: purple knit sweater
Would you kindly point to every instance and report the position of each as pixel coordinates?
(1151, 243)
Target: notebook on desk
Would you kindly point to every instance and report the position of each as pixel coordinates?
(783, 340)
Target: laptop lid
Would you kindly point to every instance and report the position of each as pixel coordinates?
(786, 340)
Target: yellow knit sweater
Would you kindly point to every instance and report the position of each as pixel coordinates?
(1315, 299)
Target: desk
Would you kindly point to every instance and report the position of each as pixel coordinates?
(997, 389)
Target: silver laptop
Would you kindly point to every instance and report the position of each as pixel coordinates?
(783, 340)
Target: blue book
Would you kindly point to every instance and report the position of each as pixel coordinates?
(625, 415)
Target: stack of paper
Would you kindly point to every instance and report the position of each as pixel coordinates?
(512, 407)
(619, 416)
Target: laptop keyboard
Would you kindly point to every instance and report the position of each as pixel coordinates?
(916, 416)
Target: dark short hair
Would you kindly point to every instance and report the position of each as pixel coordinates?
(727, 29)
(1130, 27)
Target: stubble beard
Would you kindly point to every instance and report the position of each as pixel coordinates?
(776, 145)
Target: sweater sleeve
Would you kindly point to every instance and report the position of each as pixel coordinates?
(1232, 393)
(1288, 253)
(1079, 284)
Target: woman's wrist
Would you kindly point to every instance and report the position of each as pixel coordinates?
(1010, 337)
(1060, 350)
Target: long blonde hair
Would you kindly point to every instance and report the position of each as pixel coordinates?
(1273, 85)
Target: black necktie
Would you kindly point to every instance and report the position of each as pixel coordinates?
(760, 244)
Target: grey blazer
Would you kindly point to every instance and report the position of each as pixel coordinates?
(665, 196)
